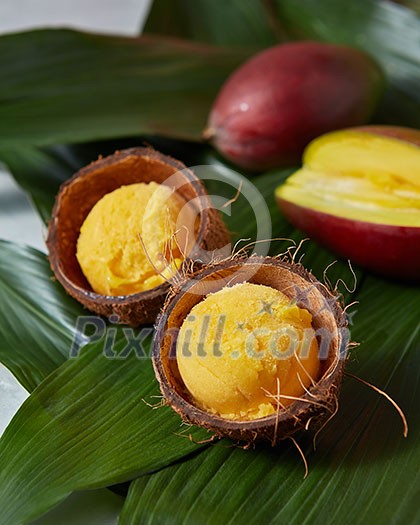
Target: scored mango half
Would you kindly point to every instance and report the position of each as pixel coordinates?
(358, 193)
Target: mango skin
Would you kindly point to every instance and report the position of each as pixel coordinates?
(273, 105)
(392, 251)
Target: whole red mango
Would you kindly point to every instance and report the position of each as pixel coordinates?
(273, 105)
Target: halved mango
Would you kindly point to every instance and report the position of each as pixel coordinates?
(358, 193)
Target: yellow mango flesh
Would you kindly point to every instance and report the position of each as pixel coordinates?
(244, 345)
(361, 176)
(126, 243)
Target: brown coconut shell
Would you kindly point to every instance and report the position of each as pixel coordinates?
(78, 195)
(329, 321)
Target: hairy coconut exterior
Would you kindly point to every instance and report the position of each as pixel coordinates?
(329, 321)
(78, 195)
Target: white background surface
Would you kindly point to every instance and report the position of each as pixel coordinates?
(105, 16)
(19, 223)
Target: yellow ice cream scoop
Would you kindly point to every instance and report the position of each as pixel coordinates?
(129, 241)
(246, 351)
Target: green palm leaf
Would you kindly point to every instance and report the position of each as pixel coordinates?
(234, 24)
(87, 426)
(37, 318)
(64, 86)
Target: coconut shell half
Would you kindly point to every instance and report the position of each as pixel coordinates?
(329, 322)
(78, 195)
